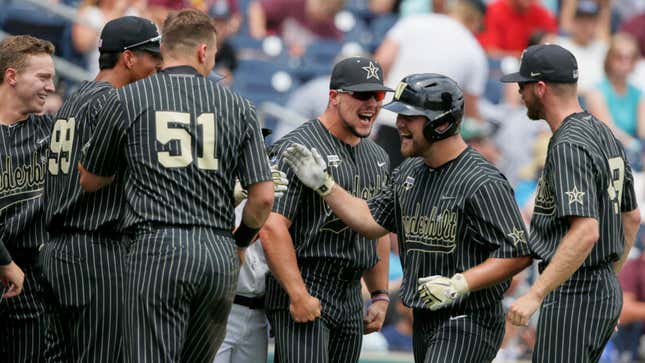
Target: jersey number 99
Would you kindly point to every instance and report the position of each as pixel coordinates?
(60, 146)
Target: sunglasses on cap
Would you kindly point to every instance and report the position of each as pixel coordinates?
(151, 40)
(364, 96)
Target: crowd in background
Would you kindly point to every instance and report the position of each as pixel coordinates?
(279, 53)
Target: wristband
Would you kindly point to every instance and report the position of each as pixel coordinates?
(244, 234)
(380, 298)
(325, 189)
(378, 292)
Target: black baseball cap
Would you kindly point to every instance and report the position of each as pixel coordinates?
(545, 62)
(357, 74)
(129, 32)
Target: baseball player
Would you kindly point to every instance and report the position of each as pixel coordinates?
(455, 218)
(313, 298)
(26, 79)
(85, 241)
(183, 140)
(584, 220)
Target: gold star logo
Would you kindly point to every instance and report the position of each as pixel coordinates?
(372, 71)
(517, 235)
(575, 196)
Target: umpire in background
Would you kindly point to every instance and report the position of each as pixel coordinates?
(313, 297)
(83, 262)
(455, 217)
(26, 79)
(584, 220)
(183, 140)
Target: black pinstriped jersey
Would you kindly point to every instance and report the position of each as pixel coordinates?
(316, 231)
(585, 175)
(67, 205)
(23, 153)
(184, 139)
(450, 219)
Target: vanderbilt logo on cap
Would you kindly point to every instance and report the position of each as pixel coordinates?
(399, 90)
(372, 71)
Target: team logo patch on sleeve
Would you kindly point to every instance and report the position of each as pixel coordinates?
(518, 236)
(575, 196)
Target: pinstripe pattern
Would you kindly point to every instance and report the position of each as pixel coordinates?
(182, 283)
(324, 246)
(446, 337)
(451, 219)
(578, 318)
(184, 139)
(578, 156)
(85, 272)
(84, 322)
(448, 220)
(23, 147)
(584, 175)
(191, 194)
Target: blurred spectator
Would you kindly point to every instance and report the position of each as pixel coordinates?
(570, 8)
(477, 135)
(509, 23)
(626, 340)
(400, 54)
(158, 9)
(636, 27)
(298, 22)
(587, 40)
(627, 9)
(398, 332)
(617, 101)
(226, 19)
(95, 13)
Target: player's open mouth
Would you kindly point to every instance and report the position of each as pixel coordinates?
(366, 116)
(405, 136)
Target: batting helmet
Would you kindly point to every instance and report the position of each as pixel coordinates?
(434, 96)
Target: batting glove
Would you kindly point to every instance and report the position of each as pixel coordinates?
(438, 292)
(309, 167)
(239, 193)
(280, 181)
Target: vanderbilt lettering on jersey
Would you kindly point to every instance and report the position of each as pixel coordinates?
(22, 178)
(436, 232)
(450, 219)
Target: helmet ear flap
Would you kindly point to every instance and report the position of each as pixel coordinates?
(451, 117)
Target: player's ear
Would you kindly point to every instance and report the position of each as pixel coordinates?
(333, 96)
(10, 75)
(129, 58)
(201, 53)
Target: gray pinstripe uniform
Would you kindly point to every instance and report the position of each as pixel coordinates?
(83, 262)
(23, 150)
(331, 257)
(448, 220)
(184, 139)
(585, 175)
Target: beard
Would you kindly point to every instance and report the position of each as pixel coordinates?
(534, 111)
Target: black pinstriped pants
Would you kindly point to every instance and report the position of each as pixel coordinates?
(23, 321)
(448, 336)
(180, 284)
(85, 274)
(336, 336)
(578, 318)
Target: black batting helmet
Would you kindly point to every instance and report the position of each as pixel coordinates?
(434, 96)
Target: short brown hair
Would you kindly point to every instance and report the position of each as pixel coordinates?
(14, 51)
(187, 28)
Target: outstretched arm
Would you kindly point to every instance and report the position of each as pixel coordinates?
(311, 169)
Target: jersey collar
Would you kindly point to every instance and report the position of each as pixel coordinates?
(188, 70)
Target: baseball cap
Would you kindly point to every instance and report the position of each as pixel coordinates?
(129, 32)
(545, 62)
(587, 8)
(357, 74)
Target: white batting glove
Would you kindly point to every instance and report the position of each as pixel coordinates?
(309, 167)
(439, 292)
(280, 182)
(239, 193)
